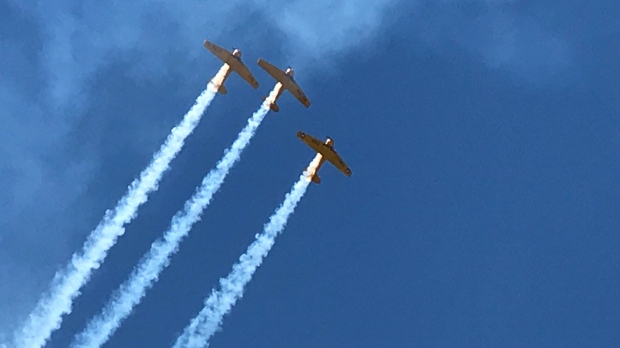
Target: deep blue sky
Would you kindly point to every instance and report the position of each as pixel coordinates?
(483, 137)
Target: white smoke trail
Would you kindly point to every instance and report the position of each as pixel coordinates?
(100, 329)
(208, 321)
(66, 285)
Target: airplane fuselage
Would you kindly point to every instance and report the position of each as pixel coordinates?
(279, 88)
(275, 94)
(290, 73)
(218, 80)
(313, 173)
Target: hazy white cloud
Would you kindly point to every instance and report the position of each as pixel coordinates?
(498, 32)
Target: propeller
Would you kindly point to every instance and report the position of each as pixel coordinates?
(236, 53)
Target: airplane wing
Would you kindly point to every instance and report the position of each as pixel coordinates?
(234, 63)
(287, 81)
(337, 161)
(218, 51)
(299, 94)
(243, 71)
(328, 152)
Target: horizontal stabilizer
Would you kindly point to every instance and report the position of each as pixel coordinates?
(273, 106)
(316, 179)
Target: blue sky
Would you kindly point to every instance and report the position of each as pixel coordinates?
(483, 138)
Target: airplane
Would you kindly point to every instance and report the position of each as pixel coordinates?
(233, 60)
(325, 151)
(285, 81)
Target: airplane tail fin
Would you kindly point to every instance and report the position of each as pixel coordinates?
(274, 107)
(222, 89)
(316, 179)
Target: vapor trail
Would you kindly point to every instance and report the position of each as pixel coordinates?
(65, 287)
(146, 273)
(219, 303)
